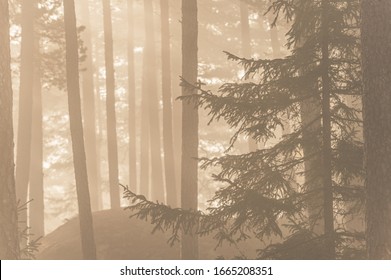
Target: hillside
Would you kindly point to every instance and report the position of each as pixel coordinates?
(118, 237)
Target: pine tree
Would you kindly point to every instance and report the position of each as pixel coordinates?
(264, 193)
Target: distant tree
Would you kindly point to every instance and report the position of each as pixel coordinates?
(376, 62)
(112, 145)
(36, 186)
(131, 99)
(150, 88)
(189, 175)
(77, 135)
(23, 144)
(87, 75)
(169, 160)
(9, 238)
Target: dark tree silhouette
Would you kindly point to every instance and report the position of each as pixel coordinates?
(189, 175)
(376, 63)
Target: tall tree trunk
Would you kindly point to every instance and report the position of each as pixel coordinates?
(326, 135)
(376, 63)
(110, 107)
(145, 137)
(36, 193)
(153, 104)
(131, 100)
(177, 115)
(76, 124)
(98, 105)
(189, 172)
(25, 105)
(87, 76)
(310, 113)
(9, 241)
(246, 50)
(169, 161)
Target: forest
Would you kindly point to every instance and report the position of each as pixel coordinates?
(185, 129)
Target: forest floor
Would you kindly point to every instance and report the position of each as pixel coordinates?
(119, 238)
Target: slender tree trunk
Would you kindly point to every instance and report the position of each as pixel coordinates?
(326, 136)
(131, 100)
(110, 107)
(144, 139)
(246, 50)
(76, 124)
(153, 105)
(189, 182)
(98, 106)
(310, 113)
(87, 76)
(177, 116)
(36, 193)
(9, 241)
(25, 105)
(376, 63)
(169, 161)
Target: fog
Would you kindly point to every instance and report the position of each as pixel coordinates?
(187, 129)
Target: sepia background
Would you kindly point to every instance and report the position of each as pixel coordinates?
(212, 129)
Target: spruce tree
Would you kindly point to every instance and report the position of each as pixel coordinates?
(265, 194)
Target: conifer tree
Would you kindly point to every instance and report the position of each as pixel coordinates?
(264, 193)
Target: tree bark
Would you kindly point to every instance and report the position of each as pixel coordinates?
(169, 161)
(376, 65)
(76, 124)
(9, 241)
(189, 172)
(110, 107)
